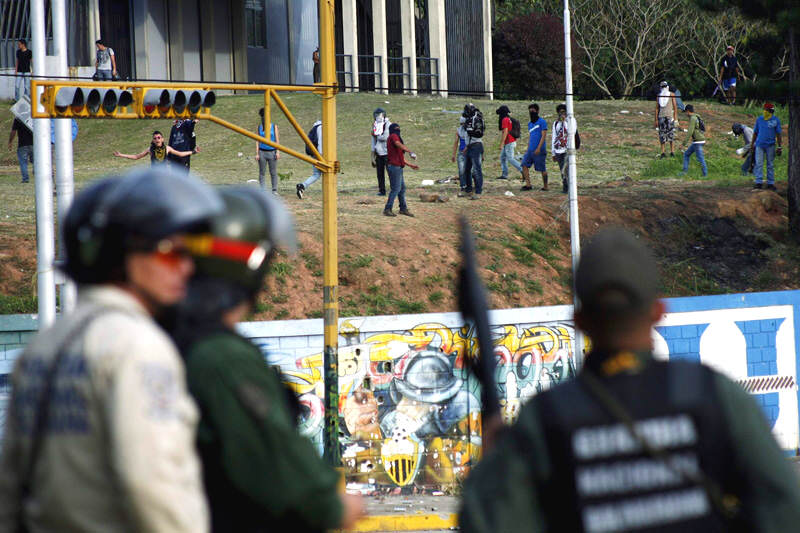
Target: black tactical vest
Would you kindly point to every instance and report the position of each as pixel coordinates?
(603, 481)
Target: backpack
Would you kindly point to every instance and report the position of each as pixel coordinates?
(474, 125)
(516, 129)
(700, 124)
(313, 137)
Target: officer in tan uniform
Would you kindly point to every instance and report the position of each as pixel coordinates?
(100, 431)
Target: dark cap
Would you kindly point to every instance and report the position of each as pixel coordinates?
(688, 108)
(617, 274)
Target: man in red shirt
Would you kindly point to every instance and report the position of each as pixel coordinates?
(396, 161)
(508, 143)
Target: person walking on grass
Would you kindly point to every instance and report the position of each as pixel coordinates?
(508, 141)
(558, 144)
(159, 151)
(266, 155)
(460, 156)
(396, 161)
(728, 72)
(473, 165)
(24, 146)
(315, 136)
(536, 156)
(747, 136)
(380, 134)
(697, 137)
(766, 131)
(666, 119)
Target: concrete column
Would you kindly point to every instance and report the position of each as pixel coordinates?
(239, 35)
(488, 76)
(350, 40)
(208, 53)
(409, 31)
(93, 27)
(379, 41)
(175, 40)
(438, 38)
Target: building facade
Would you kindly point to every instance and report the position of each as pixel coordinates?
(410, 46)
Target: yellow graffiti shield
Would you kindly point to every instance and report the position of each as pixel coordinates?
(400, 467)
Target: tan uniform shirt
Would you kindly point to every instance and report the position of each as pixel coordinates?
(118, 453)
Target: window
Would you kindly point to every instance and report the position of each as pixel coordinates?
(255, 25)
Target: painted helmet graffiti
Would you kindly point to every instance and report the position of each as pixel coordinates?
(428, 377)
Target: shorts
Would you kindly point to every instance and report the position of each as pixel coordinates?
(666, 130)
(538, 162)
(728, 83)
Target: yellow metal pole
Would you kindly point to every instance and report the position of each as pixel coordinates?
(330, 232)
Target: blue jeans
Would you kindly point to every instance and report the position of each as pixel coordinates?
(474, 153)
(461, 158)
(316, 174)
(397, 188)
(748, 162)
(22, 85)
(104, 75)
(24, 155)
(768, 153)
(695, 148)
(507, 156)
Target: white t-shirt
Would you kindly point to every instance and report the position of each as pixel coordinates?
(104, 58)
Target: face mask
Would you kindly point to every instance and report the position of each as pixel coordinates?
(534, 116)
(767, 115)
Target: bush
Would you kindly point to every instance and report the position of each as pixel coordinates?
(528, 53)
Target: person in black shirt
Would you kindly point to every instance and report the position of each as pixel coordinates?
(24, 146)
(182, 139)
(22, 68)
(728, 71)
(159, 151)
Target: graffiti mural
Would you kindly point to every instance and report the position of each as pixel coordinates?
(409, 410)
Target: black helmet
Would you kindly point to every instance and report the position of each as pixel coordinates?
(469, 110)
(243, 237)
(133, 212)
(378, 111)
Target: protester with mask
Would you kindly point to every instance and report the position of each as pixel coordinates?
(559, 144)
(508, 143)
(536, 156)
(765, 132)
(182, 138)
(666, 119)
(747, 136)
(100, 425)
(380, 134)
(260, 474)
(396, 161)
(473, 128)
(266, 155)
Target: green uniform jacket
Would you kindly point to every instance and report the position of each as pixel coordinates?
(260, 473)
(504, 492)
(694, 134)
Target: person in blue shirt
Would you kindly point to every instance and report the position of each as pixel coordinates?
(267, 155)
(765, 132)
(536, 155)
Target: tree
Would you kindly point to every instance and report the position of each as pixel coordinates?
(528, 56)
(709, 39)
(626, 40)
(785, 14)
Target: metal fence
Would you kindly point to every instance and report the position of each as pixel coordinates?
(428, 74)
(344, 70)
(399, 74)
(370, 72)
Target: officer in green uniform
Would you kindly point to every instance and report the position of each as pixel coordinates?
(259, 473)
(632, 444)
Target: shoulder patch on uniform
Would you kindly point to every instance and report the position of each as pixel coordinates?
(160, 389)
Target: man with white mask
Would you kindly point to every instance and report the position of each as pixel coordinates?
(665, 119)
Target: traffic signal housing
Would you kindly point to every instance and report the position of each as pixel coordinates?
(103, 100)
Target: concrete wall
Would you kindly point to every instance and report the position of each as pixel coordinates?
(410, 415)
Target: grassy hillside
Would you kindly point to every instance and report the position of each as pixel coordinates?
(394, 265)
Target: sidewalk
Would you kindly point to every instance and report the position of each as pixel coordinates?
(410, 513)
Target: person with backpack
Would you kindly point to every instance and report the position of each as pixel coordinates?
(510, 132)
(260, 474)
(315, 136)
(697, 136)
(536, 156)
(380, 134)
(558, 144)
(100, 428)
(396, 161)
(474, 128)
